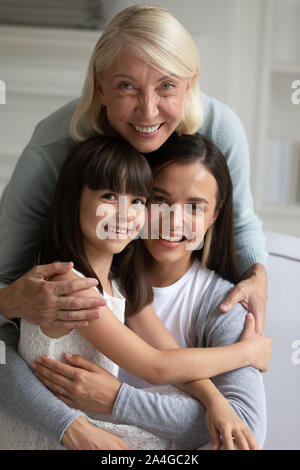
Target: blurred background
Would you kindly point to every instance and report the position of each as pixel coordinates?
(250, 58)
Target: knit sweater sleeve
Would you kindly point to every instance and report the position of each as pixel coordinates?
(243, 388)
(24, 397)
(23, 210)
(224, 127)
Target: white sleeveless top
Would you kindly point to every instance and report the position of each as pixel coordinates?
(34, 343)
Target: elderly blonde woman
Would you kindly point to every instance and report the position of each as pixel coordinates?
(142, 84)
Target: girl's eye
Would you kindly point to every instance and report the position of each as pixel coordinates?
(139, 202)
(110, 196)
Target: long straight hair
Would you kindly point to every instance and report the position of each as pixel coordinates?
(98, 163)
(218, 252)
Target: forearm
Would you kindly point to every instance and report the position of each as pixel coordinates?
(190, 364)
(22, 395)
(250, 244)
(244, 390)
(203, 390)
(257, 270)
(178, 416)
(7, 310)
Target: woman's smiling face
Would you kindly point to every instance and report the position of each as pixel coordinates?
(191, 190)
(143, 105)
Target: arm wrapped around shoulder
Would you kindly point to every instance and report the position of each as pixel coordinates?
(243, 388)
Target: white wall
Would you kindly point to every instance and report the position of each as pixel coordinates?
(225, 32)
(45, 68)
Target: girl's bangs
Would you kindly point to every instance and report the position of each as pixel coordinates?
(120, 168)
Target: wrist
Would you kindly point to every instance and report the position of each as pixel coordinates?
(245, 353)
(256, 270)
(108, 397)
(73, 433)
(210, 400)
(6, 299)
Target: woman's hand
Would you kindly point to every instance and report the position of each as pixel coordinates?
(252, 293)
(81, 435)
(223, 425)
(49, 303)
(259, 347)
(82, 385)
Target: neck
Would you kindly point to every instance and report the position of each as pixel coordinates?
(165, 274)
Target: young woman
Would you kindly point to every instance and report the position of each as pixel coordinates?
(87, 223)
(142, 83)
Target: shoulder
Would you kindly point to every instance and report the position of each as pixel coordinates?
(49, 145)
(55, 127)
(74, 275)
(222, 125)
(216, 287)
(212, 325)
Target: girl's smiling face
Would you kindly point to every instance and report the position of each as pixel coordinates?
(192, 191)
(110, 221)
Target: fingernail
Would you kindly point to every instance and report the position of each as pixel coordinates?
(33, 365)
(68, 355)
(224, 306)
(92, 282)
(39, 360)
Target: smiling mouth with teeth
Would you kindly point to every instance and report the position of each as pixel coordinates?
(116, 231)
(146, 129)
(172, 239)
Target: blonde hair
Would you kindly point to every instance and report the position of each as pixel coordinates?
(155, 36)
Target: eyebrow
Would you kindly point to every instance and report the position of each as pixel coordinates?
(123, 75)
(190, 199)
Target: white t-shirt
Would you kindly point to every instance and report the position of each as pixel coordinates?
(176, 305)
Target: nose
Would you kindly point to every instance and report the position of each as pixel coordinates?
(148, 106)
(176, 218)
(126, 212)
(171, 219)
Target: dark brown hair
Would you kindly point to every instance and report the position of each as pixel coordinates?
(187, 149)
(99, 163)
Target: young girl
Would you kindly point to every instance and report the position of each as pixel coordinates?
(92, 182)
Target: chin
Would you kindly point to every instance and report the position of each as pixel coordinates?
(165, 257)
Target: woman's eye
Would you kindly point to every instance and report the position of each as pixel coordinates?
(197, 208)
(159, 200)
(167, 88)
(126, 87)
